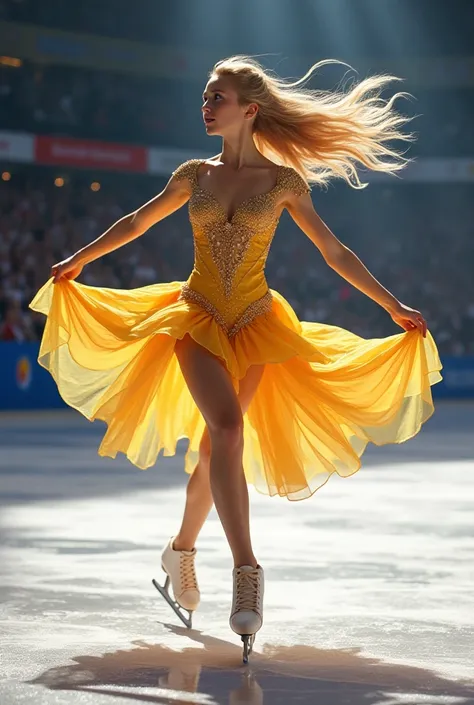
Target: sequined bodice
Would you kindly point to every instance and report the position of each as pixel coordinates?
(228, 278)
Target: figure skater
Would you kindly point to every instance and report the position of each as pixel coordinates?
(221, 359)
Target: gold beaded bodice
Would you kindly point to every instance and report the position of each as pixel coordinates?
(228, 278)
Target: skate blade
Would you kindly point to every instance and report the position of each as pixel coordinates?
(175, 606)
(248, 640)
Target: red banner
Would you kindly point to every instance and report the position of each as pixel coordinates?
(87, 153)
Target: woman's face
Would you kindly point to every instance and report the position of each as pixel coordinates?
(220, 108)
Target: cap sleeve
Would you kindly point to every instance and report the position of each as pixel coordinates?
(292, 181)
(186, 170)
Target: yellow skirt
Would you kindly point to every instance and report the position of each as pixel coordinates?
(324, 394)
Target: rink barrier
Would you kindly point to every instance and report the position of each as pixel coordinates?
(24, 384)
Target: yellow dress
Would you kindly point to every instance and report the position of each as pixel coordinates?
(324, 394)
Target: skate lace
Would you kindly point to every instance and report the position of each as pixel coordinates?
(248, 591)
(187, 573)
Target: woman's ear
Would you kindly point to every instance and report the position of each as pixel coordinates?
(251, 111)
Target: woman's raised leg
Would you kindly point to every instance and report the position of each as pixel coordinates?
(211, 387)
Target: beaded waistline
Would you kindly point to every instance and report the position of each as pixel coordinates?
(256, 308)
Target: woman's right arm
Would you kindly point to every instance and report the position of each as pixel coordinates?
(175, 194)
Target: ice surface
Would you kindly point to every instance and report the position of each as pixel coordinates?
(369, 584)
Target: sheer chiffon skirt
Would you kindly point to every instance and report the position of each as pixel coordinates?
(324, 395)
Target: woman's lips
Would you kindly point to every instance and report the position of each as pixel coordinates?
(208, 120)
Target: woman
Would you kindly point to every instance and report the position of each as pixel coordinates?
(223, 360)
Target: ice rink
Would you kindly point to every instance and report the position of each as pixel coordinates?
(369, 594)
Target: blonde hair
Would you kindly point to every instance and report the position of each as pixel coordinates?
(320, 133)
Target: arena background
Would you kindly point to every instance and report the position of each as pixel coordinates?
(97, 106)
(99, 101)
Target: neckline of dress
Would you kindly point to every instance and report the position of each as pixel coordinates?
(229, 221)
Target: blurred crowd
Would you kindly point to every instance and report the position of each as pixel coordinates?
(417, 240)
(94, 104)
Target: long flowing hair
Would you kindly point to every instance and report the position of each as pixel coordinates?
(320, 133)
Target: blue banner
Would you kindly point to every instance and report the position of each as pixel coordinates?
(24, 384)
(458, 378)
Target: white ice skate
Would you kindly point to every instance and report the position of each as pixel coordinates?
(246, 616)
(179, 569)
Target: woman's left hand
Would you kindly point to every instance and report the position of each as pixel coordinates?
(408, 318)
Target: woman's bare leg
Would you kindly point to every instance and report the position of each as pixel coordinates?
(198, 492)
(211, 387)
(198, 498)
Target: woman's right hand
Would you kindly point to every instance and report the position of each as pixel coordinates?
(69, 268)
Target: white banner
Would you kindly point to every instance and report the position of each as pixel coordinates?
(163, 161)
(16, 146)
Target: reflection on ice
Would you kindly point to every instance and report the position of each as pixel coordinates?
(276, 676)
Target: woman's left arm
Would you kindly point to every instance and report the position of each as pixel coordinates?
(346, 263)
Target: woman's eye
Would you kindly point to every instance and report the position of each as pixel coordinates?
(215, 96)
